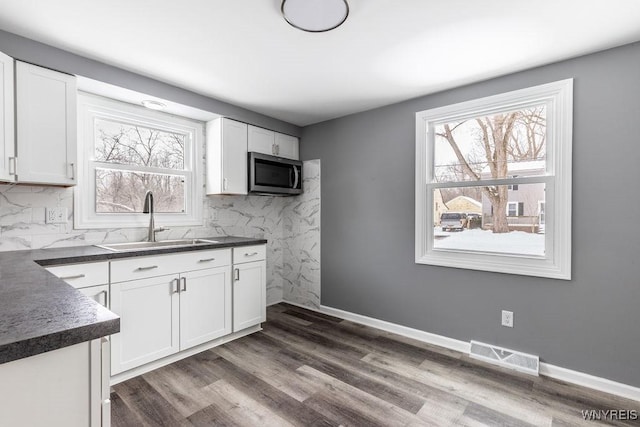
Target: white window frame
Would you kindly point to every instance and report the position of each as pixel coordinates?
(556, 263)
(92, 107)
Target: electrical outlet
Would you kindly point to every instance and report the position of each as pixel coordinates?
(507, 318)
(56, 216)
(214, 214)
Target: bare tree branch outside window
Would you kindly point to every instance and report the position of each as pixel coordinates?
(121, 190)
(489, 147)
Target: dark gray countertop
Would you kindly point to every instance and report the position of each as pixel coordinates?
(39, 312)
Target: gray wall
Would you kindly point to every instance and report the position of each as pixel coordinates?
(40, 54)
(589, 324)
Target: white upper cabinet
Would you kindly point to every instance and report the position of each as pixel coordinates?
(273, 143)
(46, 128)
(7, 134)
(226, 157)
(287, 146)
(261, 140)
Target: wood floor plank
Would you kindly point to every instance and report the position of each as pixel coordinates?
(346, 370)
(527, 409)
(234, 408)
(494, 418)
(150, 407)
(269, 369)
(281, 403)
(341, 394)
(184, 396)
(310, 369)
(121, 414)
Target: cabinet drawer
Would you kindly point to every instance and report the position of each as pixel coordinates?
(99, 294)
(159, 265)
(249, 253)
(83, 275)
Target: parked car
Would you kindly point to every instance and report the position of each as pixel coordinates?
(451, 221)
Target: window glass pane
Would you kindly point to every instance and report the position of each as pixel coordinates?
(490, 219)
(491, 147)
(129, 144)
(123, 192)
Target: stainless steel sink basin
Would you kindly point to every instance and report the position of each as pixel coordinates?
(139, 246)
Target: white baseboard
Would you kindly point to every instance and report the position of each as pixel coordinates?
(269, 304)
(405, 331)
(546, 369)
(590, 381)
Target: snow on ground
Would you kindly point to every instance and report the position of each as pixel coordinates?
(515, 242)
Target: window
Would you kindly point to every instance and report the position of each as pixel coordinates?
(515, 208)
(128, 150)
(509, 155)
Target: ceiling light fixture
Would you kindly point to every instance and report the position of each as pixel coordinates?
(315, 16)
(153, 105)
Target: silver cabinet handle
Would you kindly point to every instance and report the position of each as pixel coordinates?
(13, 161)
(251, 254)
(106, 295)
(207, 260)
(72, 166)
(77, 276)
(237, 273)
(151, 267)
(184, 285)
(177, 288)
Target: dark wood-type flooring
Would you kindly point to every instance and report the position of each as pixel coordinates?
(309, 369)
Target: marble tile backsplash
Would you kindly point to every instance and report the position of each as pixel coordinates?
(301, 267)
(22, 226)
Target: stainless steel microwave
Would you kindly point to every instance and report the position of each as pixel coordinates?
(274, 175)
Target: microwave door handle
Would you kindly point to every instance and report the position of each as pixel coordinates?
(291, 176)
(297, 176)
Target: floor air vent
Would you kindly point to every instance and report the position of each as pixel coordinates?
(522, 362)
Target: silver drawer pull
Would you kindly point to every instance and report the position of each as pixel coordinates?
(207, 260)
(251, 254)
(151, 267)
(77, 276)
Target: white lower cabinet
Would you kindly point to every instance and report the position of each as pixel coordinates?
(162, 315)
(205, 306)
(249, 286)
(249, 305)
(149, 322)
(60, 388)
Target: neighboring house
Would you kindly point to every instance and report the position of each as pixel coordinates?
(525, 209)
(464, 204)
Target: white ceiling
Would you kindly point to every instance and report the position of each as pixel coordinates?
(243, 51)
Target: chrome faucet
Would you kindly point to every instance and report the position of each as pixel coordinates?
(148, 208)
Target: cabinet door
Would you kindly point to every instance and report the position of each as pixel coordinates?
(249, 294)
(287, 146)
(234, 147)
(261, 140)
(46, 125)
(205, 306)
(226, 157)
(149, 321)
(7, 135)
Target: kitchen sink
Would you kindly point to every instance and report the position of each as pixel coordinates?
(139, 246)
